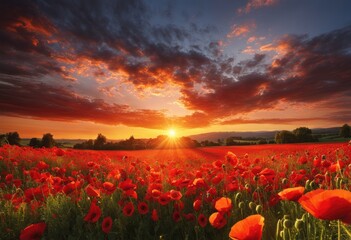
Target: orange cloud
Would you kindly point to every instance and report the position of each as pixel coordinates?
(254, 4)
(241, 30)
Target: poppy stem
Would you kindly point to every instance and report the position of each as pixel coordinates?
(339, 230)
(346, 231)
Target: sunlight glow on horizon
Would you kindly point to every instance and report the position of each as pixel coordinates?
(172, 133)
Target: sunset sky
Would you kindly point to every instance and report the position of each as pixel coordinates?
(133, 67)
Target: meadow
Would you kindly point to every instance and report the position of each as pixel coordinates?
(295, 191)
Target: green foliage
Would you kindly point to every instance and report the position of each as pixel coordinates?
(13, 138)
(345, 131)
(100, 141)
(285, 137)
(299, 135)
(3, 139)
(132, 143)
(35, 143)
(303, 134)
(48, 140)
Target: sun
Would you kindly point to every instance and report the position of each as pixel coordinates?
(171, 133)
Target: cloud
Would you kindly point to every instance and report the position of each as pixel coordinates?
(47, 45)
(238, 30)
(41, 101)
(271, 121)
(254, 4)
(310, 70)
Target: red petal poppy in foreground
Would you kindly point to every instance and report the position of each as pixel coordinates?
(291, 194)
(106, 224)
(328, 204)
(33, 231)
(249, 228)
(94, 213)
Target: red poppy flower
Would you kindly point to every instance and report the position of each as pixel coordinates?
(93, 214)
(249, 228)
(72, 186)
(109, 187)
(154, 215)
(302, 160)
(131, 193)
(223, 204)
(92, 192)
(127, 185)
(199, 182)
(189, 216)
(143, 208)
(202, 220)
(328, 204)
(197, 205)
(9, 178)
(218, 220)
(106, 224)
(217, 179)
(164, 199)
(291, 194)
(155, 193)
(176, 216)
(128, 209)
(33, 231)
(231, 158)
(59, 152)
(175, 195)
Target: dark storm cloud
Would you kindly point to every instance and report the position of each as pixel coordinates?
(308, 70)
(42, 38)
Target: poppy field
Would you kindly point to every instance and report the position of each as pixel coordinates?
(296, 191)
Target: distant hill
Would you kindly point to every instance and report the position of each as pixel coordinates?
(214, 136)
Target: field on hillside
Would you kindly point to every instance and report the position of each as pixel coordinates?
(296, 191)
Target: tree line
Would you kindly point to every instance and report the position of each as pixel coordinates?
(301, 134)
(162, 141)
(13, 138)
(304, 134)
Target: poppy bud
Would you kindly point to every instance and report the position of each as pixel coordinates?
(304, 217)
(287, 223)
(259, 209)
(252, 205)
(286, 216)
(313, 185)
(241, 205)
(238, 196)
(299, 224)
(284, 181)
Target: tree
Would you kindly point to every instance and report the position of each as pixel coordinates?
(48, 140)
(285, 137)
(3, 139)
(35, 143)
(345, 131)
(303, 134)
(13, 138)
(100, 141)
